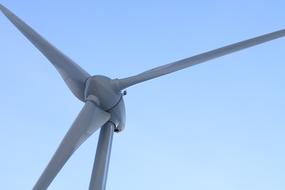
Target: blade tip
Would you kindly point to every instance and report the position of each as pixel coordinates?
(2, 7)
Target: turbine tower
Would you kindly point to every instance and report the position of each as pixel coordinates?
(104, 107)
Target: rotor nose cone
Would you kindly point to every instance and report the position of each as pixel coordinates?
(101, 87)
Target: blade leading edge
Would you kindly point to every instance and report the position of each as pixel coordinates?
(200, 58)
(73, 75)
(88, 121)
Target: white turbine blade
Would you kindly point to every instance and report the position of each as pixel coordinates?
(184, 63)
(73, 75)
(88, 121)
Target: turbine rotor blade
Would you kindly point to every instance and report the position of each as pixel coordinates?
(73, 75)
(200, 58)
(88, 121)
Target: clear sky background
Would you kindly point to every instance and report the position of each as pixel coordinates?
(215, 126)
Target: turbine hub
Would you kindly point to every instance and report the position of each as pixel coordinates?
(102, 91)
(106, 96)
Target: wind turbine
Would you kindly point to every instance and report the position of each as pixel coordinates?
(104, 107)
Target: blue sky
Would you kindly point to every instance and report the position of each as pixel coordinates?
(215, 126)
